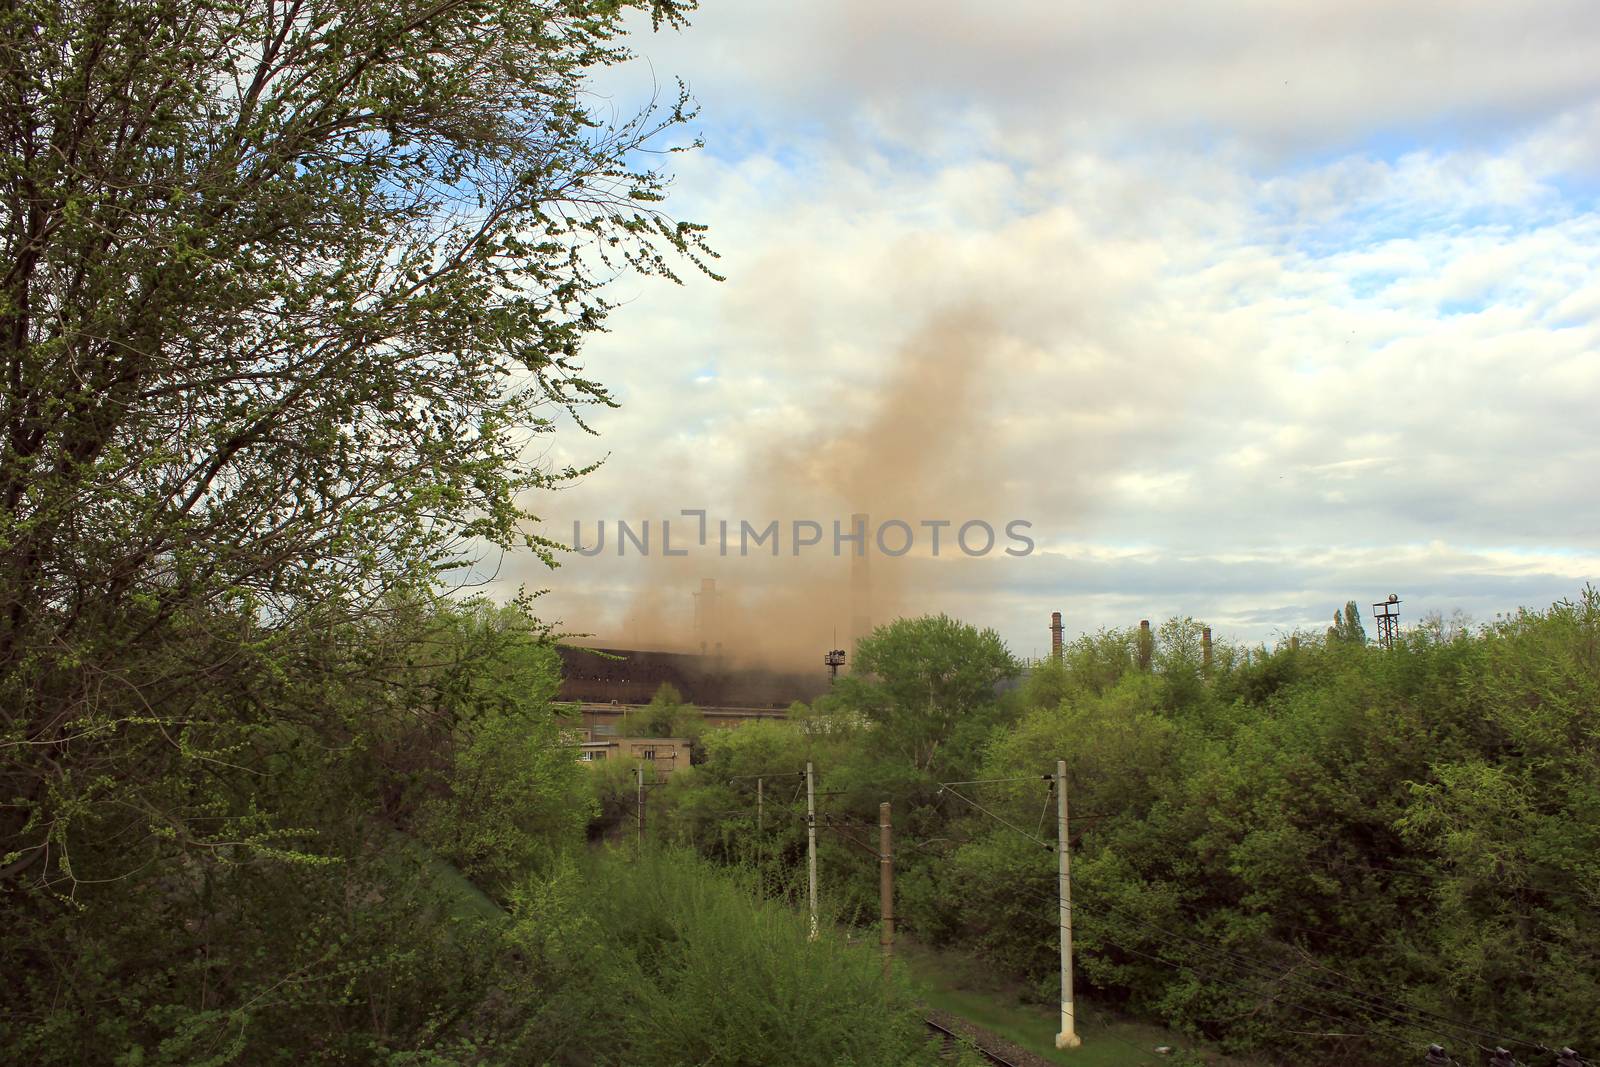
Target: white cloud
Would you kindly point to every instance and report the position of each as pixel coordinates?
(1273, 76)
(1291, 384)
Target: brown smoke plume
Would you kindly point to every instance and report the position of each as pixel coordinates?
(916, 445)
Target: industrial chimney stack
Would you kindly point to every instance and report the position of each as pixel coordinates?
(1055, 636)
(860, 584)
(705, 616)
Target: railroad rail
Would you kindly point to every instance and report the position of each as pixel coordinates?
(952, 1039)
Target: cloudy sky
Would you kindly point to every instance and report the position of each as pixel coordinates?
(1249, 307)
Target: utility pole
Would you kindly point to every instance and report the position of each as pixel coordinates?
(811, 845)
(1068, 1037)
(639, 771)
(761, 846)
(886, 883)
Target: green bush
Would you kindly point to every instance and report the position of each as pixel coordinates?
(720, 979)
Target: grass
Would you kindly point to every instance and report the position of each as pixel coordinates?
(961, 985)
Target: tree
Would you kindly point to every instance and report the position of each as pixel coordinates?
(669, 715)
(920, 680)
(1347, 626)
(287, 289)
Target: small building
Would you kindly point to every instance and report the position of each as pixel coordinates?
(664, 754)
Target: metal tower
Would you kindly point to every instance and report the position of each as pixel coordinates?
(1387, 612)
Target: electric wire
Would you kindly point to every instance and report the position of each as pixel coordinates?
(1409, 1015)
(1045, 809)
(1003, 821)
(988, 781)
(836, 828)
(1418, 1018)
(1587, 896)
(1367, 1003)
(1279, 998)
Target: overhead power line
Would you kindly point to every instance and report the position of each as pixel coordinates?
(998, 818)
(1366, 1003)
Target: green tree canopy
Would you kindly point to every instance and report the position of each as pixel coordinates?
(287, 290)
(920, 680)
(1347, 626)
(668, 715)
(290, 294)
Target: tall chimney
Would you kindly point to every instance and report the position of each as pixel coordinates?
(705, 615)
(1205, 647)
(1055, 636)
(860, 584)
(1146, 644)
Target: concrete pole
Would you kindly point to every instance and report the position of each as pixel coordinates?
(886, 882)
(811, 846)
(1068, 1037)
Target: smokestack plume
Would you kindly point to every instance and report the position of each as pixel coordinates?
(860, 584)
(1055, 636)
(915, 444)
(705, 616)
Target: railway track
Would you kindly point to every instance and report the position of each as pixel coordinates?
(953, 1039)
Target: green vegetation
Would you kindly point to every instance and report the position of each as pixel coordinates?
(966, 986)
(1321, 838)
(290, 292)
(667, 715)
(714, 978)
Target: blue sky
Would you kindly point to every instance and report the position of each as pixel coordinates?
(1250, 307)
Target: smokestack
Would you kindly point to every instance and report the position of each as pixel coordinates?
(860, 584)
(1205, 647)
(705, 615)
(1146, 644)
(1055, 636)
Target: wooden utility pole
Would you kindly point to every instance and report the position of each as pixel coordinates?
(639, 804)
(886, 883)
(1068, 1037)
(758, 808)
(811, 845)
(761, 845)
